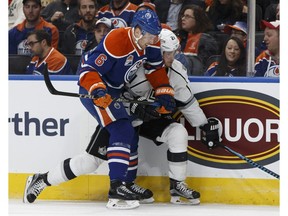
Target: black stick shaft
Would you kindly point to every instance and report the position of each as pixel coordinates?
(53, 91)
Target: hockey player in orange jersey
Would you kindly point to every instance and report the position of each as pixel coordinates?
(103, 74)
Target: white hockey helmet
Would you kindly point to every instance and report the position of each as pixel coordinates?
(169, 41)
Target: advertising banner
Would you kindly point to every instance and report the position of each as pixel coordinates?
(45, 129)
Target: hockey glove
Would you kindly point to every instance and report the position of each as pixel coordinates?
(144, 112)
(210, 135)
(165, 96)
(100, 92)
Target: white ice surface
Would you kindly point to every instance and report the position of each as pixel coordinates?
(70, 208)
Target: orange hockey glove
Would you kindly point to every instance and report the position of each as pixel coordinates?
(100, 92)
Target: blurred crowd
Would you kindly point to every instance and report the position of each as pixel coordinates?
(212, 33)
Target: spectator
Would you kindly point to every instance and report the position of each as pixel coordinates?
(271, 11)
(120, 12)
(239, 29)
(77, 35)
(197, 45)
(168, 10)
(146, 5)
(15, 13)
(45, 3)
(223, 12)
(232, 61)
(33, 20)
(268, 62)
(39, 42)
(61, 13)
(278, 12)
(102, 28)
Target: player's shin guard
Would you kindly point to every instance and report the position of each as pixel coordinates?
(177, 164)
(73, 167)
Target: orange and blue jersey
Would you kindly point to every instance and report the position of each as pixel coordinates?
(266, 66)
(117, 59)
(57, 64)
(18, 36)
(121, 19)
(212, 69)
(115, 62)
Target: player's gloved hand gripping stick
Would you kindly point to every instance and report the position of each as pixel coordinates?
(100, 92)
(210, 137)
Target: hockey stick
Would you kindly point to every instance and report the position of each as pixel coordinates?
(253, 163)
(54, 91)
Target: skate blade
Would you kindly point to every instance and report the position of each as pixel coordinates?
(182, 201)
(147, 201)
(122, 204)
(28, 181)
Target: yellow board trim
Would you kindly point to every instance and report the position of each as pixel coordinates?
(213, 190)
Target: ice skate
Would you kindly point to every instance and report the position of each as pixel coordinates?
(146, 195)
(180, 190)
(34, 186)
(120, 197)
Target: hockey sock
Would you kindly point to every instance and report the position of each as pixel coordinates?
(132, 169)
(118, 155)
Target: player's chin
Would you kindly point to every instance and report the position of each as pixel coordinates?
(168, 64)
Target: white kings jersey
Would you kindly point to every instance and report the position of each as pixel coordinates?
(178, 78)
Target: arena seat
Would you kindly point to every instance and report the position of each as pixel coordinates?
(74, 61)
(18, 63)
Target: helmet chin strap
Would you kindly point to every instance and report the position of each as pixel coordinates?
(136, 39)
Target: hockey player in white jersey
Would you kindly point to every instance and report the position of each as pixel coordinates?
(166, 129)
(160, 129)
